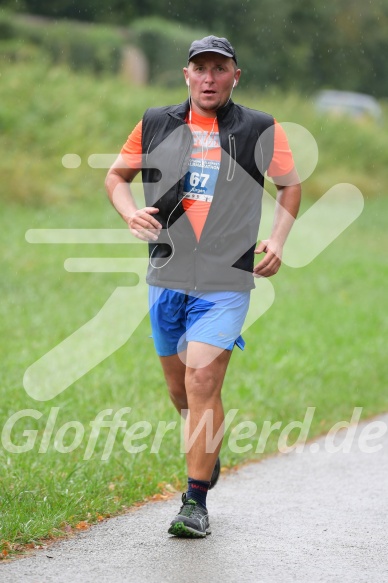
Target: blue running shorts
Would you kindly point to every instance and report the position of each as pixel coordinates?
(180, 316)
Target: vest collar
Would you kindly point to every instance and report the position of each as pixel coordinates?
(181, 111)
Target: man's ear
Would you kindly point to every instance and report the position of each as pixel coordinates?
(186, 74)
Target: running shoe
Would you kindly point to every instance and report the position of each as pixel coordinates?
(215, 474)
(192, 520)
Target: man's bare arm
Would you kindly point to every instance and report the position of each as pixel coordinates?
(287, 207)
(141, 222)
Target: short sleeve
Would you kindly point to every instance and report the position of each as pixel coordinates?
(282, 160)
(132, 149)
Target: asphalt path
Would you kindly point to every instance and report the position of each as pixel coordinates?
(297, 517)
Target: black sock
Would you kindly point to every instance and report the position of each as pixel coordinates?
(197, 490)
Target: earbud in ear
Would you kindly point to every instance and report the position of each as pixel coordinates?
(187, 83)
(234, 84)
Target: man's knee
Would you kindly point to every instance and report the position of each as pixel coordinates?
(205, 380)
(202, 383)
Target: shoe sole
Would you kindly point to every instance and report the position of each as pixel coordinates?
(180, 529)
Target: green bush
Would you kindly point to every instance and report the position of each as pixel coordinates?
(89, 47)
(166, 46)
(95, 48)
(7, 26)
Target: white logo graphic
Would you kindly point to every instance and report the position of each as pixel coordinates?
(108, 330)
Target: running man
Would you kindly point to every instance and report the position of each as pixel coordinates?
(203, 164)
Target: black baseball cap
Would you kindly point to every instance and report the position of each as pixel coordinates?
(212, 44)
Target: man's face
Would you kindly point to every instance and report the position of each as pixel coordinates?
(211, 78)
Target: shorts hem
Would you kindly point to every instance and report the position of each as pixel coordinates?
(239, 342)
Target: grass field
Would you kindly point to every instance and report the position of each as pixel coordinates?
(320, 345)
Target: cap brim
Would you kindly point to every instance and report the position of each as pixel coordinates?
(212, 51)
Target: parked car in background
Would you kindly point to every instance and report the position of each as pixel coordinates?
(355, 105)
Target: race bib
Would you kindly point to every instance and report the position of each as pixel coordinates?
(200, 179)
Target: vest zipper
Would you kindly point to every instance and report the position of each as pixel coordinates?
(149, 146)
(185, 160)
(232, 158)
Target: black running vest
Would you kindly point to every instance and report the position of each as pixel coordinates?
(223, 257)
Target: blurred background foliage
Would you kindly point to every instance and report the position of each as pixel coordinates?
(301, 45)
